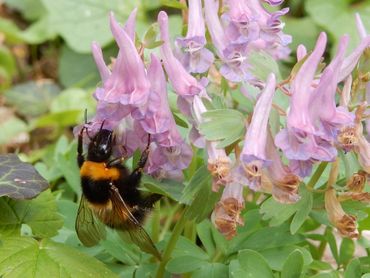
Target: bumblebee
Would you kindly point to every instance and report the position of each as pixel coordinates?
(110, 193)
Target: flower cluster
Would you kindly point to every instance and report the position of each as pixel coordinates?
(133, 101)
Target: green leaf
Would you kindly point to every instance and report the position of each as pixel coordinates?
(30, 9)
(179, 120)
(200, 178)
(353, 269)
(304, 209)
(40, 214)
(347, 248)
(10, 30)
(211, 270)
(203, 203)
(184, 264)
(204, 231)
(276, 212)
(150, 34)
(169, 188)
(293, 265)
(185, 247)
(19, 180)
(262, 64)
(76, 69)
(86, 21)
(26, 257)
(265, 238)
(332, 244)
(235, 270)
(254, 264)
(13, 129)
(65, 159)
(32, 98)
(40, 31)
(61, 119)
(173, 4)
(8, 66)
(337, 17)
(276, 257)
(73, 99)
(294, 26)
(226, 125)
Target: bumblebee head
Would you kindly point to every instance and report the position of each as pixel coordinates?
(100, 146)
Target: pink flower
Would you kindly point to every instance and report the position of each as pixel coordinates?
(183, 83)
(253, 156)
(311, 132)
(196, 58)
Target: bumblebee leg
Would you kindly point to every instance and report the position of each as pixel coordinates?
(116, 161)
(149, 201)
(80, 157)
(135, 176)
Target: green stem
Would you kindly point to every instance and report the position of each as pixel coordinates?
(168, 222)
(171, 245)
(156, 222)
(316, 176)
(217, 256)
(189, 231)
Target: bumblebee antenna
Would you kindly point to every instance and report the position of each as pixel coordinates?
(102, 124)
(86, 116)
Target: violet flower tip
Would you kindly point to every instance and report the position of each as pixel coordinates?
(162, 17)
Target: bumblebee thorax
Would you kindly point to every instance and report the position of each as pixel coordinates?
(98, 171)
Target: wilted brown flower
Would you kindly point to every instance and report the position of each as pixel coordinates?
(226, 215)
(284, 184)
(356, 196)
(347, 138)
(219, 168)
(345, 223)
(362, 147)
(357, 182)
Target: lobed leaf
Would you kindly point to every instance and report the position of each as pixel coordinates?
(19, 180)
(40, 214)
(27, 257)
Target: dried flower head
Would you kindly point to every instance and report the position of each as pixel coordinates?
(226, 215)
(357, 182)
(345, 223)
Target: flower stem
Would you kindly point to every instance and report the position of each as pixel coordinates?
(316, 176)
(171, 245)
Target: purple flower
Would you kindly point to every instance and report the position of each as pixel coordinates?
(232, 54)
(196, 58)
(168, 162)
(183, 83)
(311, 131)
(160, 122)
(248, 21)
(274, 2)
(253, 156)
(99, 61)
(284, 183)
(129, 80)
(133, 103)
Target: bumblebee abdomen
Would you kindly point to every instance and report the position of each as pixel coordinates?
(97, 171)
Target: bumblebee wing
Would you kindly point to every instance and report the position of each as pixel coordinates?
(89, 230)
(133, 227)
